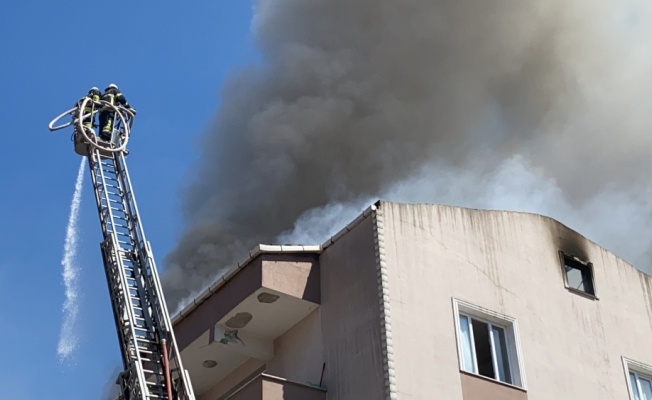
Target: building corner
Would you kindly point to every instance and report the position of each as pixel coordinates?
(384, 303)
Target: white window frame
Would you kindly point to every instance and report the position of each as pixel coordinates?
(639, 369)
(513, 342)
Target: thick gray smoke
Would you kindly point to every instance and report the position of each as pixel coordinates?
(541, 106)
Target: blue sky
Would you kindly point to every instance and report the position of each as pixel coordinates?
(169, 59)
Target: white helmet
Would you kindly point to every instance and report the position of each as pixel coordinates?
(112, 85)
(94, 88)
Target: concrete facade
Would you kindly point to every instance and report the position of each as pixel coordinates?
(571, 345)
(374, 313)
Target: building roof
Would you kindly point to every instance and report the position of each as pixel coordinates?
(317, 249)
(266, 249)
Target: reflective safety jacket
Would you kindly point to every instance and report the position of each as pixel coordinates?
(114, 97)
(94, 96)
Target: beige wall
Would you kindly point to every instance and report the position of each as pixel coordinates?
(266, 387)
(297, 358)
(344, 332)
(478, 388)
(351, 317)
(235, 379)
(279, 389)
(509, 263)
(298, 353)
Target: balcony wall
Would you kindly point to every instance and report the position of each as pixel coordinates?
(268, 387)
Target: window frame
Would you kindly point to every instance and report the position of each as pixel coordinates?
(580, 265)
(509, 326)
(639, 370)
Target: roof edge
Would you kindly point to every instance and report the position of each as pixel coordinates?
(348, 228)
(531, 214)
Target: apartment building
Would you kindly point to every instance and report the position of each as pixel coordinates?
(422, 302)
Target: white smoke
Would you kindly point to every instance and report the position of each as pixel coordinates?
(68, 336)
(317, 224)
(514, 185)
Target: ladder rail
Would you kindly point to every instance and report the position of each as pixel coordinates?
(142, 320)
(113, 258)
(117, 310)
(174, 354)
(150, 271)
(132, 224)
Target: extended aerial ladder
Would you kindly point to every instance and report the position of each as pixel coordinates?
(151, 358)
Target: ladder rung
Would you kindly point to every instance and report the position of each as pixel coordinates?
(156, 396)
(149, 371)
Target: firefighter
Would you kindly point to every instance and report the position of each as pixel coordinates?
(107, 115)
(87, 113)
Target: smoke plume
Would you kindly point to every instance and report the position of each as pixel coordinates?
(530, 105)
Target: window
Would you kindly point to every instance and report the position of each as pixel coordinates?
(641, 386)
(487, 344)
(639, 380)
(578, 274)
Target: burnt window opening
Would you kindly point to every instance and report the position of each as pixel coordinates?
(578, 275)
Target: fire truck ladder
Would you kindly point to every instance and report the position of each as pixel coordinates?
(152, 363)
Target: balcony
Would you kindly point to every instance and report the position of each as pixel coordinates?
(268, 387)
(239, 317)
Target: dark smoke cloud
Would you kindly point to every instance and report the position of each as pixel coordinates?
(358, 98)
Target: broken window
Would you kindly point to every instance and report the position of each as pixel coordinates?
(578, 275)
